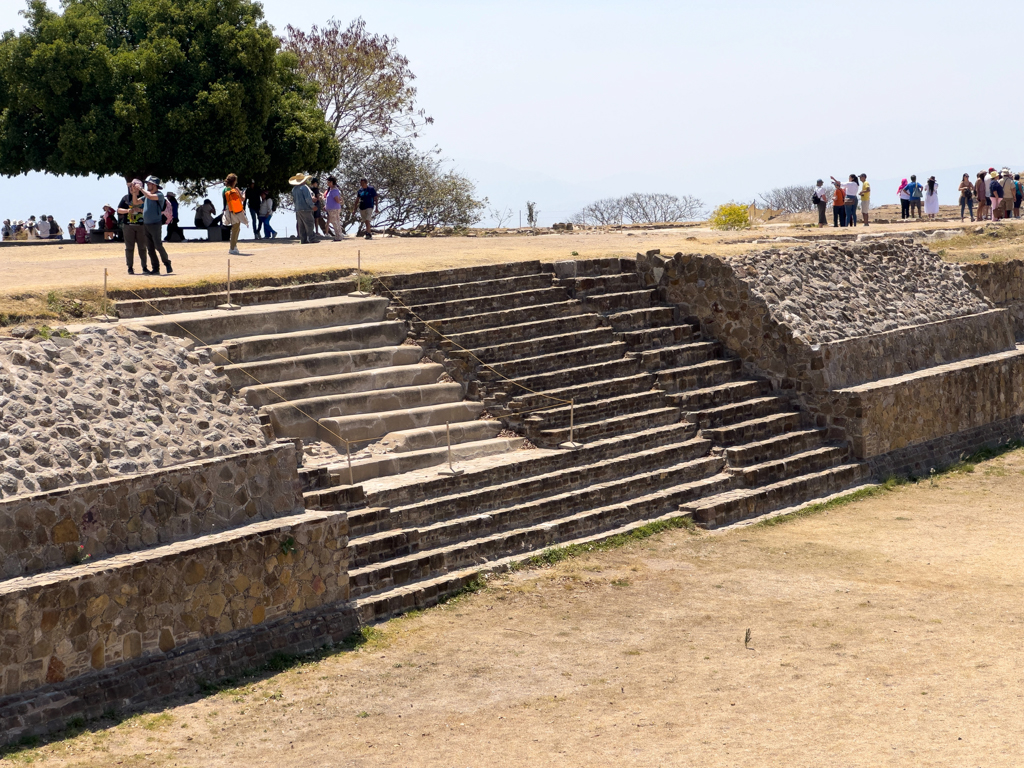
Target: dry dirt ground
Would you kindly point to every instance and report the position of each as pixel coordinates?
(884, 632)
(29, 273)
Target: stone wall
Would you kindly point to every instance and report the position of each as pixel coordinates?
(68, 624)
(919, 408)
(1003, 284)
(44, 531)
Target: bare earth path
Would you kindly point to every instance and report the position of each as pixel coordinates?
(887, 632)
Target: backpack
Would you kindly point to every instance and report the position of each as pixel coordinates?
(168, 211)
(914, 190)
(233, 200)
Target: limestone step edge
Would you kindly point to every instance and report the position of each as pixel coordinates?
(791, 510)
(426, 593)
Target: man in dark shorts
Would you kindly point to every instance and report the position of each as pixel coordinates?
(366, 204)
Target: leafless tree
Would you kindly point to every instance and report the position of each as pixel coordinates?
(794, 199)
(365, 84)
(640, 208)
(501, 215)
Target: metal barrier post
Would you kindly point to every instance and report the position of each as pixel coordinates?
(452, 471)
(359, 293)
(229, 305)
(348, 455)
(105, 317)
(571, 445)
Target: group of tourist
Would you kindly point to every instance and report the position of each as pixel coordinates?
(999, 195)
(317, 211)
(45, 228)
(845, 197)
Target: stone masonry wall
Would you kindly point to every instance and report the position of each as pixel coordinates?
(43, 531)
(1003, 284)
(59, 626)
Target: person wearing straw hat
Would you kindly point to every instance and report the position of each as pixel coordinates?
(153, 222)
(302, 198)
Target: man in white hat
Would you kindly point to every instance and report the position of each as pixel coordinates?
(302, 197)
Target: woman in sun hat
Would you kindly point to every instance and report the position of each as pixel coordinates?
(931, 197)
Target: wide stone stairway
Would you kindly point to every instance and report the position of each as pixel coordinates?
(666, 426)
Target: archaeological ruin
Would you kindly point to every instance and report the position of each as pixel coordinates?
(190, 492)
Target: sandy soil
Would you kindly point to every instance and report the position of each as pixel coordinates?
(69, 267)
(887, 632)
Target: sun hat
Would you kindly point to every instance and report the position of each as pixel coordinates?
(299, 178)
(154, 181)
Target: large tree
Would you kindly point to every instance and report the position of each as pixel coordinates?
(188, 90)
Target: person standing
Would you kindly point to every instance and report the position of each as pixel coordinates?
(1018, 195)
(302, 199)
(904, 197)
(995, 195)
(931, 197)
(252, 202)
(865, 197)
(234, 210)
(319, 215)
(266, 212)
(916, 192)
(838, 204)
(852, 189)
(332, 204)
(981, 193)
(81, 233)
(366, 203)
(821, 197)
(153, 222)
(129, 214)
(1009, 193)
(966, 196)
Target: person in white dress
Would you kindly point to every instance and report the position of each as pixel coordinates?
(931, 197)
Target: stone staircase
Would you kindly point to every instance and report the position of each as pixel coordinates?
(336, 369)
(669, 427)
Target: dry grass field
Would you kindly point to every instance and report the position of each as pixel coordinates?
(883, 632)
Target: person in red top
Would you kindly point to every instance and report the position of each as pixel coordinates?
(838, 205)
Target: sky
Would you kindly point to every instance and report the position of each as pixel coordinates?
(564, 102)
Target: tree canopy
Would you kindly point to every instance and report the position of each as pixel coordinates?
(188, 90)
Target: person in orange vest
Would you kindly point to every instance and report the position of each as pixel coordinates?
(234, 210)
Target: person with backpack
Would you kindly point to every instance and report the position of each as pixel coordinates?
(820, 198)
(915, 192)
(995, 194)
(234, 210)
(153, 221)
(266, 211)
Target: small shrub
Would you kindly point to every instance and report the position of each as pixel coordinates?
(730, 216)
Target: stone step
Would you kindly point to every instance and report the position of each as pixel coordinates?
(392, 377)
(733, 413)
(214, 326)
(573, 358)
(458, 276)
(424, 438)
(592, 375)
(448, 530)
(615, 425)
(438, 293)
(680, 355)
(584, 393)
(317, 341)
(482, 304)
(363, 427)
(435, 562)
(449, 326)
(654, 338)
(814, 460)
(537, 347)
(299, 417)
(755, 429)
(640, 319)
(526, 464)
(595, 410)
(164, 305)
(578, 268)
(581, 287)
(773, 448)
(389, 464)
(525, 487)
(509, 333)
(710, 397)
(744, 503)
(286, 369)
(699, 375)
(425, 593)
(609, 303)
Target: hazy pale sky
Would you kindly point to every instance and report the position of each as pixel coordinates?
(564, 102)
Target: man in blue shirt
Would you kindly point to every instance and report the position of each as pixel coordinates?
(302, 198)
(153, 222)
(916, 192)
(366, 203)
